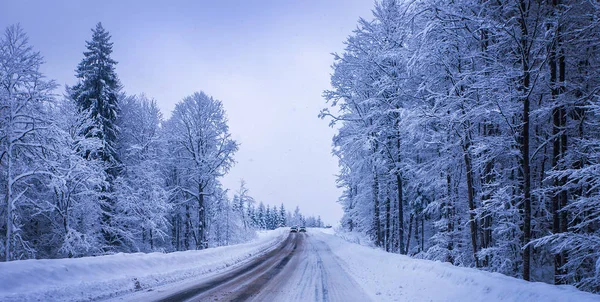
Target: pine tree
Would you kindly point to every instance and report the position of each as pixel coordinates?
(260, 219)
(98, 91)
(282, 216)
(268, 218)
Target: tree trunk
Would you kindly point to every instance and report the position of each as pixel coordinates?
(410, 221)
(387, 223)
(564, 222)
(143, 237)
(423, 233)
(488, 130)
(186, 234)
(555, 155)
(417, 239)
(201, 220)
(174, 237)
(487, 179)
(376, 219)
(525, 83)
(448, 213)
(9, 207)
(471, 198)
(400, 214)
(227, 228)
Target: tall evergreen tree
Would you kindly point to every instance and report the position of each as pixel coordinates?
(98, 91)
(282, 216)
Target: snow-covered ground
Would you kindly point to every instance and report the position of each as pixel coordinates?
(107, 276)
(391, 277)
(381, 276)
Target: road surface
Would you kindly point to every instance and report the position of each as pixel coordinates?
(301, 269)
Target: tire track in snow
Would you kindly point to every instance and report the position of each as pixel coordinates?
(250, 277)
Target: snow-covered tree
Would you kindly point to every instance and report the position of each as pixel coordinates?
(201, 151)
(74, 207)
(98, 172)
(25, 97)
(98, 90)
(242, 203)
(282, 216)
(465, 133)
(259, 216)
(141, 213)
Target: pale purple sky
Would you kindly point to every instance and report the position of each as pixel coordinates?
(267, 61)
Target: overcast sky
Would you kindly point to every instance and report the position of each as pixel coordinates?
(267, 61)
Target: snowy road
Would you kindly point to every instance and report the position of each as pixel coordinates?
(302, 269)
(313, 274)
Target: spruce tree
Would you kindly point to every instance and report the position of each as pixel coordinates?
(282, 216)
(97, 91)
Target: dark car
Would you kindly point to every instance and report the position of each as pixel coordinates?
(303, 229)
(294, 229)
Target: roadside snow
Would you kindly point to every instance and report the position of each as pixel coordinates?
(392, 277)
(330, 231)
(107, 276)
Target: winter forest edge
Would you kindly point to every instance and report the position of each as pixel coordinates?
(468, 132)
(96, 171)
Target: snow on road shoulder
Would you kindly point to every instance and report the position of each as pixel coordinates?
(392, 277)
(105, 276)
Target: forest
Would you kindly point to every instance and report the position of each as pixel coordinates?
(92, 171)
(468, 132)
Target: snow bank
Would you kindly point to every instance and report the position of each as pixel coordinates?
(107, 276)
(352, 237)
(392, 277)
(330, 231)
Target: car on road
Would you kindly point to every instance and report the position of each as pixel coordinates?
(303, 229)
(294, 229)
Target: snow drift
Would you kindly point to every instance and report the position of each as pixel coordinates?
(392, 277)
(91, 278)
